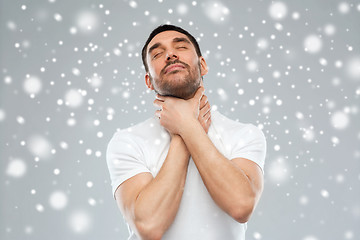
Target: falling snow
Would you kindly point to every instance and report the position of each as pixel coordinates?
(58, 200)
(339, 120)
(73, 98)
(16, 168)
(216, 11)
(39, 146)
(80, 221)
(278, 10)
(353, 68)
(87, 21)
(312, 44)
(32, 85)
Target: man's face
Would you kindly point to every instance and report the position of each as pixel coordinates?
(174, 67)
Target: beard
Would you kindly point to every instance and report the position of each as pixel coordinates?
(178, 85)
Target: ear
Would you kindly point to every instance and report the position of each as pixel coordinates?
(148, 81)
(203, 66)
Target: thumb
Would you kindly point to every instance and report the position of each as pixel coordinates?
(199, 93)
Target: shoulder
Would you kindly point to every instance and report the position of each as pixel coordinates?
(243, 140)
(136, 136)
(221, 121)
(231, 128)
(142, 130)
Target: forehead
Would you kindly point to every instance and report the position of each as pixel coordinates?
(166, 36)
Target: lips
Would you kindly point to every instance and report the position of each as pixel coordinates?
(173, 67)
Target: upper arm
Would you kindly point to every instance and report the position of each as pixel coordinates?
(253, 172)
(128, 191)
(250, 143)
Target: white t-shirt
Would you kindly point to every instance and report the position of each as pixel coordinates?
(143, 148)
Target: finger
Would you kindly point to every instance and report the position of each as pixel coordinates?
(158, 113)
(199, 93)
(205, 109)
(205, 123)
(159, 97)
(208, 123)
(158, 103)
(203, 119)
(203, 101)
(207, 115)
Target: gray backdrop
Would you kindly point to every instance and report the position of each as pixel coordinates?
(71, 75)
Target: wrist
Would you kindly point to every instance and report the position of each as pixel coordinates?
(188, 127)
(178, 143)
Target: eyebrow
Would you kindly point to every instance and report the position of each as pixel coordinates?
(175, 40)
(181, 40)
(156, 45)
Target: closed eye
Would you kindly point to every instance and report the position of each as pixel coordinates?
(157, 55)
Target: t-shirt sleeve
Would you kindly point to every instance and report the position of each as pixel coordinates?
(249, 143)
(125, 158)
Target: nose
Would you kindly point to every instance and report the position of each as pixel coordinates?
(171, 56)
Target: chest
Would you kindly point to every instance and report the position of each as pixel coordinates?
(158, 148)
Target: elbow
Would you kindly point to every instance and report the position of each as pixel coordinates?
(242, 218)
(242, 212)
(148, 231)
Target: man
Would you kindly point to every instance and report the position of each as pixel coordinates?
(187, 172)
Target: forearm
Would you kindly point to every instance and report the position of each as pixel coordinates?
(227, 184)
(158, 203)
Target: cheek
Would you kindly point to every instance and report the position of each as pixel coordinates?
(153, 66)
(152, 72)
(154, 69)
(194, 61)
(196, 65)
(157, 67)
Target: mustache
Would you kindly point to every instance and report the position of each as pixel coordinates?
(173, 62)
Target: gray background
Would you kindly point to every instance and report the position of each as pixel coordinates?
(71, 75)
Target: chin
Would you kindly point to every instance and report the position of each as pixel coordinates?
(184, 92)
(178, 86)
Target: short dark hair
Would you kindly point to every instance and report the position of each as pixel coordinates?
(163, 28)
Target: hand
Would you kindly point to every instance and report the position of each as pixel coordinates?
(175, 113)
(205, 113)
